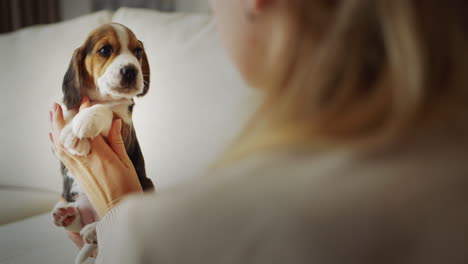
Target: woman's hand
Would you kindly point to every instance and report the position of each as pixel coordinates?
(107, 173)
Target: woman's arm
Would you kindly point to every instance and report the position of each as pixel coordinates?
(106, 174)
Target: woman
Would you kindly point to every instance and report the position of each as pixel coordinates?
(357, 154)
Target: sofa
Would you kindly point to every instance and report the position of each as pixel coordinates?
(196, 106)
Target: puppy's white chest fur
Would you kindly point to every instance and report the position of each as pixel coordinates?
(89, 123)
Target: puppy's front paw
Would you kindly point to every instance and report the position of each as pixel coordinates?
(92, 121)
(89, 233)
(67, 216)
(76, 146)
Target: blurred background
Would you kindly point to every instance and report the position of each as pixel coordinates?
(16, 14)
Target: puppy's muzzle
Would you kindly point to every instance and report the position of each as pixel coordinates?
(129, 74)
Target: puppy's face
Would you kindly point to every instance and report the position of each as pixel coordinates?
(111, 65)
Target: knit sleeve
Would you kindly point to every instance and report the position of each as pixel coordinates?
(116, 236)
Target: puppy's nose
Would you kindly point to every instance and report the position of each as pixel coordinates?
(129, 72)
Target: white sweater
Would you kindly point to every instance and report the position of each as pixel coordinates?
(405, 205)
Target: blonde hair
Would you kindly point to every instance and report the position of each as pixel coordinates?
(363, 72)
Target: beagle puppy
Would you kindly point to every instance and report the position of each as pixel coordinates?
(111, 68)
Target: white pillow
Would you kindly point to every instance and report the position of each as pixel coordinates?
(197, 101)
(33, 63)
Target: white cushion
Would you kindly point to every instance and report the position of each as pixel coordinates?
(197, 101)
(33, 63)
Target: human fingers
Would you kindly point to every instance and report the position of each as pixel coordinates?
(57, 121)
(57, 124)
(117, 144)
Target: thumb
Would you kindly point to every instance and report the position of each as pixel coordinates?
(117, 144)
(85, 103)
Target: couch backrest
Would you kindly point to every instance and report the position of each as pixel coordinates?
(196, 105)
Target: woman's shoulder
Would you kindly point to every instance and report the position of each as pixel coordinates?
(337, 176)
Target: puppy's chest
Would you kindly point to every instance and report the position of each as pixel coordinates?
(123, 112)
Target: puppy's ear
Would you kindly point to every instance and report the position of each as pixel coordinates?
(145, 70)
(71, 86)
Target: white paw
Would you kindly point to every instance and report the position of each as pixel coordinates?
(75, 145)
(67, 215)
(89, 233)
(92, 121)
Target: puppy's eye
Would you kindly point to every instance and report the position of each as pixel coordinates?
(106, 51)
(138, 52)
